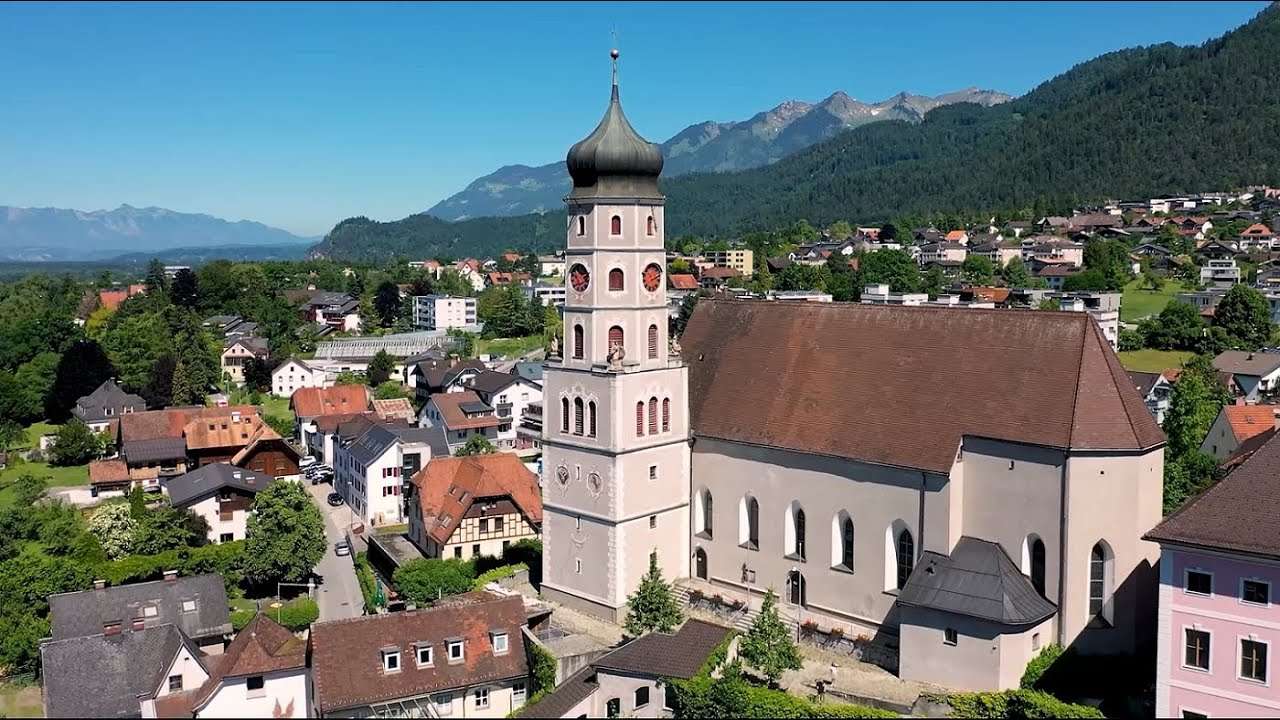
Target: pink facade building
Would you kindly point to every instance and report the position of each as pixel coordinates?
(1219, 571)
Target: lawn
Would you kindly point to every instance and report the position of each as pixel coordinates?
(1153, 360)
(54, 476)
(36, 430)
(276, 407)
(510, 348)
(1138, 303)
(20, 700)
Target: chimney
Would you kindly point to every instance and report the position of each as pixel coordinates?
(170, 575)
(99, 584)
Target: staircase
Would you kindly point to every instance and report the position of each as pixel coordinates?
(740, 620)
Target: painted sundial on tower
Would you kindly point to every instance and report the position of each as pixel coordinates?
(579, 278)
(652, 277)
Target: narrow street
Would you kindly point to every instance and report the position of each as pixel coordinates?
(339, 594)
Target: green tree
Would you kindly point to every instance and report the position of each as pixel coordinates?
(137, 503)
(1177, 327)
(81, 370)
(185, 290)
(1245, 316)
(169, 528)
(894, 267)
(347, 377)
(768, 646)
(977, 270)
(888, 233)
(425, 580)
(652, 607)
(1015, 274)
(114, 528)
(386, 303)
(840, 230)
(842, 279)
(257, 374)
(380, 367)
(11, 434)
(284, 538)
(390, 390)
(798, 276)
(476, 445)
(687, 306)
(933, 282)
(75, 444)
(156, 281)
(464, 343)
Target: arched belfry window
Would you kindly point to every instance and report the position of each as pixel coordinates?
(653, 416)
(577, 342)
(653, 342)
(577, 416)
(591, 419)
(666, 414)
(615, 337)
(652, 226)
(615, 225)
(615, 280)
(582, 226)
(564, 415)
(640, 419)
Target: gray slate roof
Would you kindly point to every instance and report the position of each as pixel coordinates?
(93, 407)
(492, 381)
(145, 451)
(529, 370)
(202, 482)
(1240, 362)
(78, 614)
(978, 580)
(102, 676)
(370, 445)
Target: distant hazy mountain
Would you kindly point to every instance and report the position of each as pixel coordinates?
(705, 147)
(48, 234)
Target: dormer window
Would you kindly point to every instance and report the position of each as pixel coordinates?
(391, 660)
(499, 641)
(425, 657)
(455, 651)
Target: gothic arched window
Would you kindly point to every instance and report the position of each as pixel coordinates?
(591, 419)
(653, 416)
(666, 414)
(653, 342)
(577, 416)
(749, 523)
(1100, 559)
(564, 415)
(615, 337)
(615, 280)
(1037, 564)
(640, 419)
(906, 557)
(577, 342)
(615, 225)
(842, 541)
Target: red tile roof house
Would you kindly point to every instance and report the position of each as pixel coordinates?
(464, 657)
(1237, 423)
(312, 402)
(1218, 618)
(463, 507)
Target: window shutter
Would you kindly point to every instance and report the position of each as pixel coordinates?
(666, 414)
(653, 416)
(639, 419)
(653, 342)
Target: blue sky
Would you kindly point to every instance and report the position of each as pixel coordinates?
(300, 115)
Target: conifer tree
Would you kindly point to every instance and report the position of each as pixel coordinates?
(768, 646)
(652, 606)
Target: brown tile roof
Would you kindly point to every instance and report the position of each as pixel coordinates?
(346, 655)
(682, 281)
(997, 295)
(313, 402)
(394, 409)
(720, 273)
(330, 423)
(1035, 377)
(1257, 230)
(170, 422)
(1058, 269)
(224, 430)
(107, 471)
(447, 487)
(264, 433)
(454, 418)
(1237, 514)
(1249, 420)
(261, 647)
(1246, 450)
(956, 235)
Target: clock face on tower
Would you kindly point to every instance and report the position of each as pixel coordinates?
(652, 277)
(579, 278)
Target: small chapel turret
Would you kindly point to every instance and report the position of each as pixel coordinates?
(615, 437)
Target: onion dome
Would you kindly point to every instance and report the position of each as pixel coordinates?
(614, 161)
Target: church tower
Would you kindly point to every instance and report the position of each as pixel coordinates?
(615, 462)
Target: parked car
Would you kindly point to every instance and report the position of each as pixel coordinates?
(306, 461)
(342, 548)
(334, 499)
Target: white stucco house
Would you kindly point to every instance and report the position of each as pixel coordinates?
(220, 493)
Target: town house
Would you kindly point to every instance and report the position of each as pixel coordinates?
(466, 507)
(510, 396)
(222, 494)
(461, 415)
(372, 469)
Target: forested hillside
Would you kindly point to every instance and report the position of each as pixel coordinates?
(1154, 120)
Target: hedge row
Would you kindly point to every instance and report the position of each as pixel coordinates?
(368, 586)
(224, 559)
(499, 573)
(1031, 704)
(1039, 665)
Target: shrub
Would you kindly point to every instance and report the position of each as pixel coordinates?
(297, 614)
(1031, 704)
(499, 573)
(426, 579)
(368, 585)
(1040, 664)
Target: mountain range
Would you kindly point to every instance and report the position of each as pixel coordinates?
(705, 147)
(1132, 123)
(53, 234)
